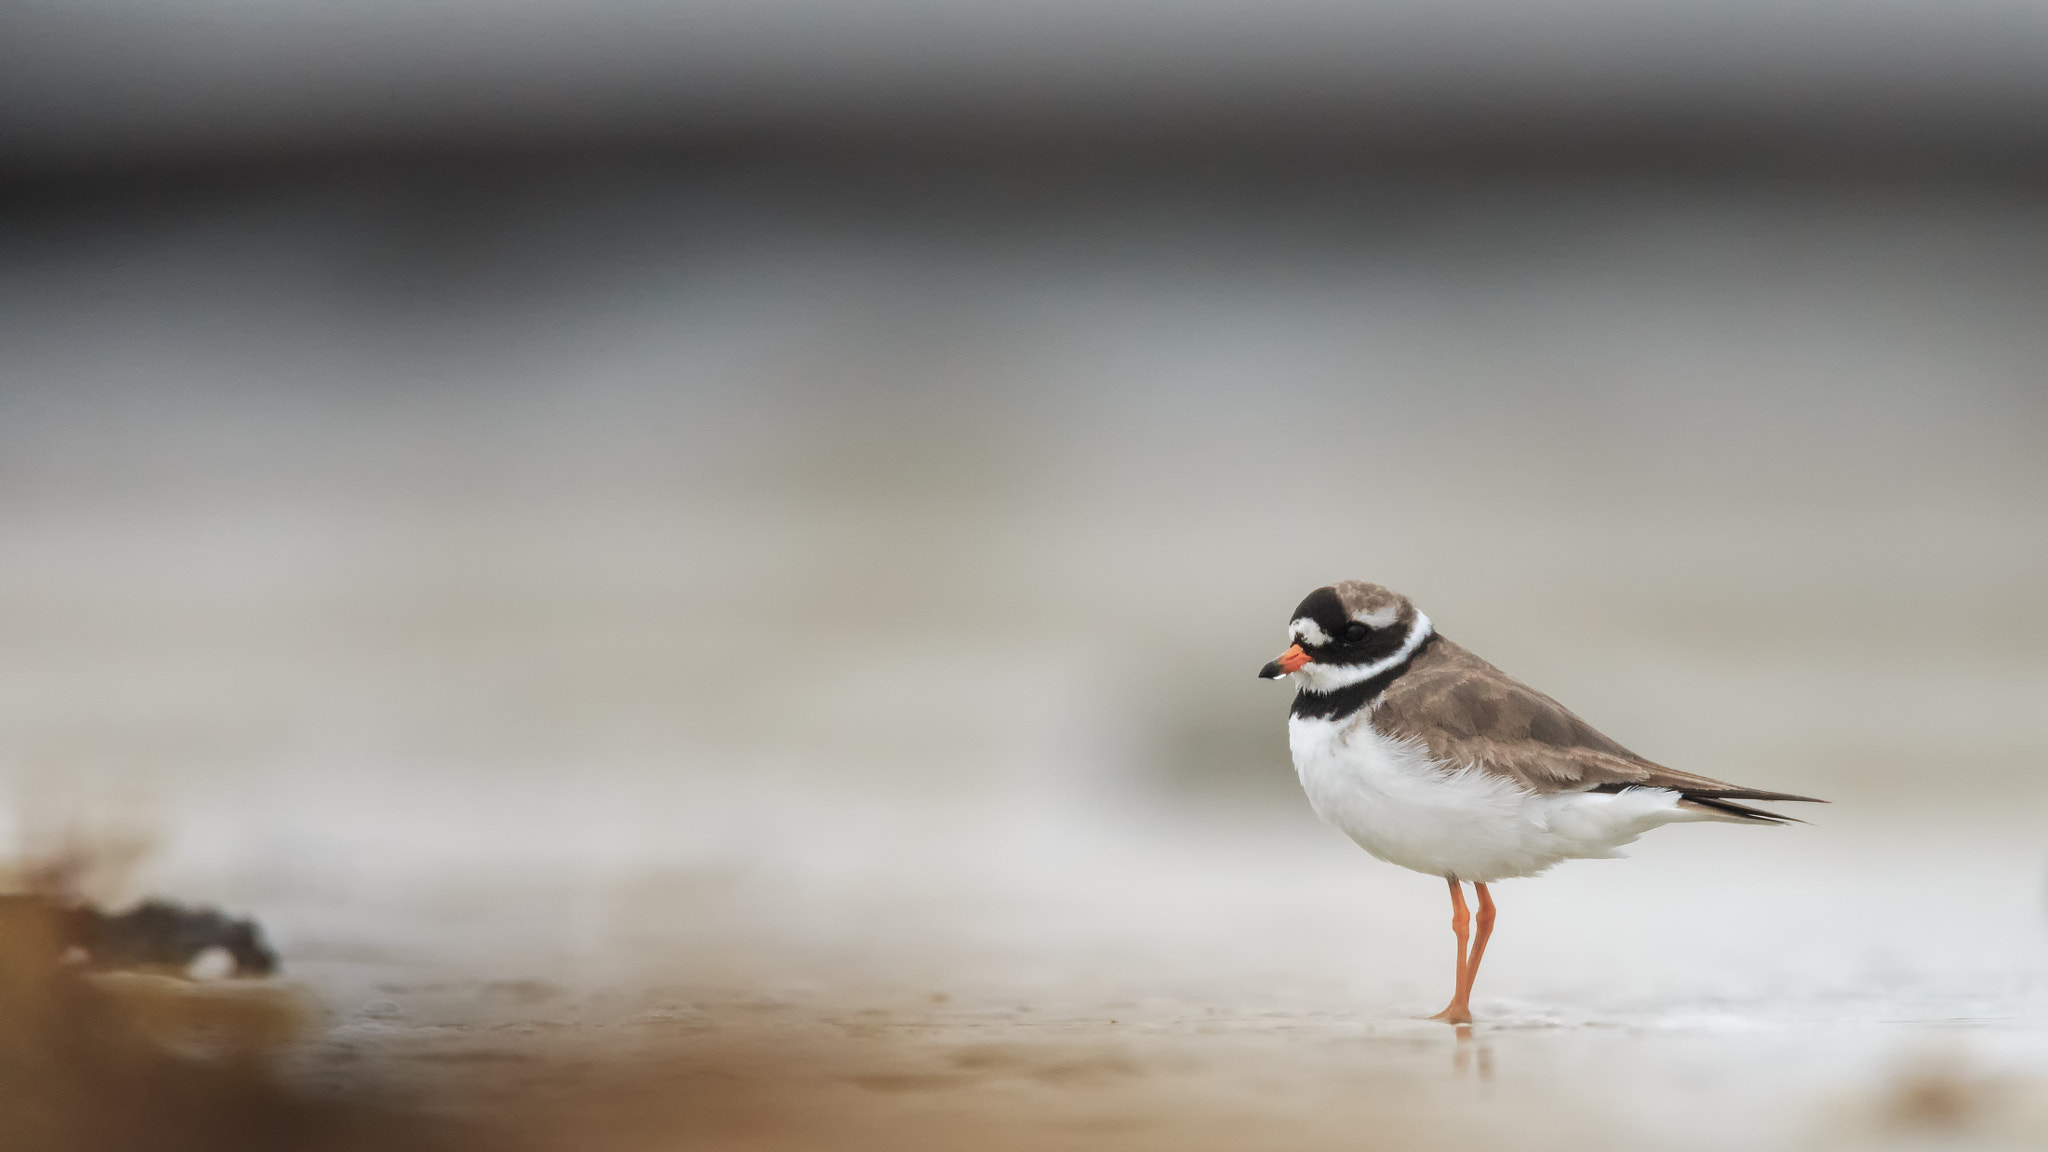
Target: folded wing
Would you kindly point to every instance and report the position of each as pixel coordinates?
(1470, 714)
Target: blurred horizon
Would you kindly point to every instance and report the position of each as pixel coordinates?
(1733, 438)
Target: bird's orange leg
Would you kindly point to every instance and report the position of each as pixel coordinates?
(1456, 1012)
(1479, 940)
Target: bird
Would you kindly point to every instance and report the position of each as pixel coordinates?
(1429, 757)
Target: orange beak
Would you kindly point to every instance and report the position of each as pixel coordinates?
(1292, 660)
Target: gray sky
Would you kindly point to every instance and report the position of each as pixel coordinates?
(100, 77)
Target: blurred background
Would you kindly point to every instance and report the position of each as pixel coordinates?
(761, 519)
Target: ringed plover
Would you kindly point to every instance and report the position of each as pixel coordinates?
(1433, 759)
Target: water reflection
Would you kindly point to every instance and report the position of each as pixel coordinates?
(1472, 1057)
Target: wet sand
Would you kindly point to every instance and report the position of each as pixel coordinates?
(1731, 987)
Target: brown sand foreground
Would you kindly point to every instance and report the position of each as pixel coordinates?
(743, 1074)
(1796, 988)
(802, 964)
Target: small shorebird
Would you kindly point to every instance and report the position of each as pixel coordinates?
(1433, 759)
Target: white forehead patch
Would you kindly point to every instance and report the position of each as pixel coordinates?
(1379, 617)
(1307, 631)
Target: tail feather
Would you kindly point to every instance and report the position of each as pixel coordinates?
(1721, 801)
(1751, 794)
(1724, 807)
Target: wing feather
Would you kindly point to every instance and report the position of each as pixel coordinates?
(1469, 713)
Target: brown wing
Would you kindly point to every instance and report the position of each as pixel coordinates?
(1467, 712)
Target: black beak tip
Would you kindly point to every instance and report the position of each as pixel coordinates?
(1272, 671)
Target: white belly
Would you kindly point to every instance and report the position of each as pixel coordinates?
(1401, 806)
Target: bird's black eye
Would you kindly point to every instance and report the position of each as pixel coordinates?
(1355, 633)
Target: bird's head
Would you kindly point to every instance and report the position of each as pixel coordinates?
(1345, 633)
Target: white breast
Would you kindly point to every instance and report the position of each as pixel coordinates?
(1401, 806)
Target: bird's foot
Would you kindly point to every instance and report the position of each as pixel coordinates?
(1456, 1013)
